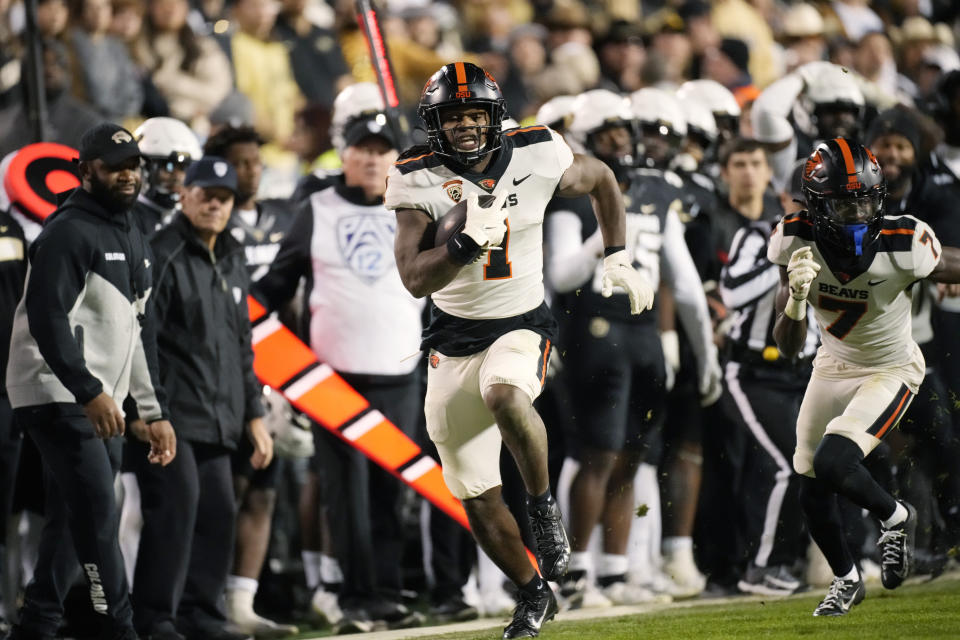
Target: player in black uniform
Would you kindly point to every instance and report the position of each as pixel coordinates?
(616, 367)
(168, 148)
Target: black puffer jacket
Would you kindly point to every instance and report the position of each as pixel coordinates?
(203, 337)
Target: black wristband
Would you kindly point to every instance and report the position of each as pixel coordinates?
(462, 248)
(609, 251)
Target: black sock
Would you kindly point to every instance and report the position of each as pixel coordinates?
(538, 501)
(822, 513)
(606, 581)
(535, 586)
(574, 575)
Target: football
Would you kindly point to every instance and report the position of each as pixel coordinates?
(453, 220)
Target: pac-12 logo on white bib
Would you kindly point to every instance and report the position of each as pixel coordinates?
(366, 244)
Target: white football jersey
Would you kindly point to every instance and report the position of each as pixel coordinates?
(528, 168)
(864, 317)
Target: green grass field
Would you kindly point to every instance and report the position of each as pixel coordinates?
(927, 610)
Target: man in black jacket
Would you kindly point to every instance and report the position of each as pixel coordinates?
(13, 271)
(81, 340)
(206, 363)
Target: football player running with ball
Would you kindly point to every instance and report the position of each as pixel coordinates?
(854, 266)
(490, 331)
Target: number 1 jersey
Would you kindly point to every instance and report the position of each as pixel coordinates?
(528, 167)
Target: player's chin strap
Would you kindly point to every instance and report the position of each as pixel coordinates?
(856, 232)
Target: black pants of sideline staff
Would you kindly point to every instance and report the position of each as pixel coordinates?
(82, 519)
(365, 500)
(765, 403)
(186, 545)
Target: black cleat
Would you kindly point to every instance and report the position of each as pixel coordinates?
(553, 548)
(897, 550)
(531, 612)
(841, 596)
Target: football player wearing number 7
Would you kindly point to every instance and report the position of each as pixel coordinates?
(490, 331)
(854, 266)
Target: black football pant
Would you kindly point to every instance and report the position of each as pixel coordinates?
(82, 520)
(186, 545)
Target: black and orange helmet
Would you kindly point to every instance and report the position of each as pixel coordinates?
(844, 187)
(461, 83)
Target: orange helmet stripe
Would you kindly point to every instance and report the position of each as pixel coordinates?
(852, 182)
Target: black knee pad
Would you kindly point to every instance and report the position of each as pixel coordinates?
(835, 459)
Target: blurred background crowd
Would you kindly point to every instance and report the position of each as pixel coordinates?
(741, 89)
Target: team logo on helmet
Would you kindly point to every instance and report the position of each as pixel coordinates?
(813, 163)
(120, 137)
(454, 189)
(488, 184)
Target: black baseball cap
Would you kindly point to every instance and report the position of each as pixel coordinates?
(369, 126)
(211, 171)
(108, 142)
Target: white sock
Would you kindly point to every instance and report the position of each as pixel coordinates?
(673, 544)
(852, 574)
(311, 568)
(241, 583)
(580, 561)
(613, 564)
(240, 600)
(898, 516)
(330, 572)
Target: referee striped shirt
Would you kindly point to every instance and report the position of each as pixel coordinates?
(748, 286)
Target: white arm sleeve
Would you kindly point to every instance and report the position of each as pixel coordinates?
(771, 124)
(681, 274)
(572, 261)
(771, 110)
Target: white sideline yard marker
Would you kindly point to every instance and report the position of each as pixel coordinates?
(265, 329)
(361, 426)
(307, 382)
(418, 468)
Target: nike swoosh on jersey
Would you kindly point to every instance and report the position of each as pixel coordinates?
(873, 283)
(516, 182)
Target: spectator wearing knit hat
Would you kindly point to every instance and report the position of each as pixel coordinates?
(728, 64)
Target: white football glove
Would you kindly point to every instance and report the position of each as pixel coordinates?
(670, 342)
(485, 225)
(801, 270)
(618, 272)
(711, 380)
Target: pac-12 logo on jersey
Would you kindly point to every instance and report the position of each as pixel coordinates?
(366, 244)
(454, 189)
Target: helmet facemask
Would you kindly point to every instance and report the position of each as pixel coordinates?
(489, 133)
(848, 223)
(616, 154)
(839, 119)
(161, 183)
